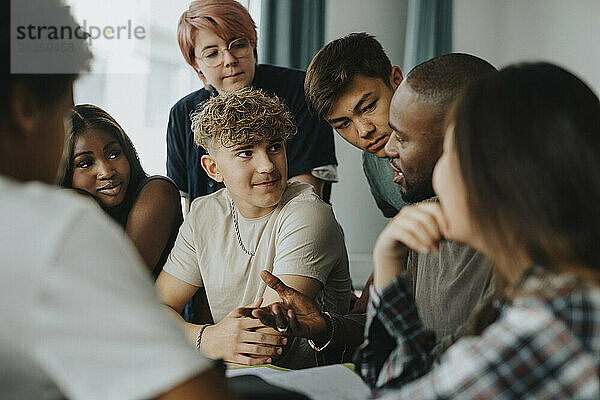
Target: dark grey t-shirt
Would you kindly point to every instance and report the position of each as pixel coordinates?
(449, 285)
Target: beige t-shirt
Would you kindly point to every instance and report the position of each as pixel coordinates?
(299, 237)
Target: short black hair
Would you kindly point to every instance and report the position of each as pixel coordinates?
(442, 79)
(46, 88)
(337, 63)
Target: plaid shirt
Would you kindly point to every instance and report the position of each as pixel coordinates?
(545, 344)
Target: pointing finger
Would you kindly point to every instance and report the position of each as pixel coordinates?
(246, 310)
(275, 283)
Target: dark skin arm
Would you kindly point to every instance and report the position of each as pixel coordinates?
(155, 214)
(303, 318)
(296, 311)
(360, 306)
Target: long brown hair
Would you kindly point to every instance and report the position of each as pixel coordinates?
(528, 141)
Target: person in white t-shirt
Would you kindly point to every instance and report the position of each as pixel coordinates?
(258, 221)
(80, 318)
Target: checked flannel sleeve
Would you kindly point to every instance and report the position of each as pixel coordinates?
(397, 347)
(536, 349)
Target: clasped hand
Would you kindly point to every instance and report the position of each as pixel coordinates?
(237, 339)
(419, 227)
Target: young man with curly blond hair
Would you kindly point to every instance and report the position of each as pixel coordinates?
(258, 221)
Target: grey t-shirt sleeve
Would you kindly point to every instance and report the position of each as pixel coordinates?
(411, 269)
(309, 241)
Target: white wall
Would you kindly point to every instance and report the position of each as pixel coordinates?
(352, 201)
(140, 99)
(507, 31)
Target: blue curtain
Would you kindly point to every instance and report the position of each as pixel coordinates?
(429, 31)
(291, 31)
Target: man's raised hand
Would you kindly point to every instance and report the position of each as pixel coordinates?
(419, 227)
(296, 314)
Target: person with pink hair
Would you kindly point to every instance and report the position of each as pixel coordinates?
(218, 40)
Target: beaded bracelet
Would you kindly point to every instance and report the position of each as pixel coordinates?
(199, 338)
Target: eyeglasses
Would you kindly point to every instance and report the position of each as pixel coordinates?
(238, 48)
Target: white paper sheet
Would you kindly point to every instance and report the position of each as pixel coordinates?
(332, 382)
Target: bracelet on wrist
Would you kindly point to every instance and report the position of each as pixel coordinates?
(199, 338)
(330, 325)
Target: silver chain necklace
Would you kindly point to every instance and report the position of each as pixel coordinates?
(237, 230)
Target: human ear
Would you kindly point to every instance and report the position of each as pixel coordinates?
(24, 110)
(209, 165)
(396, 77)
